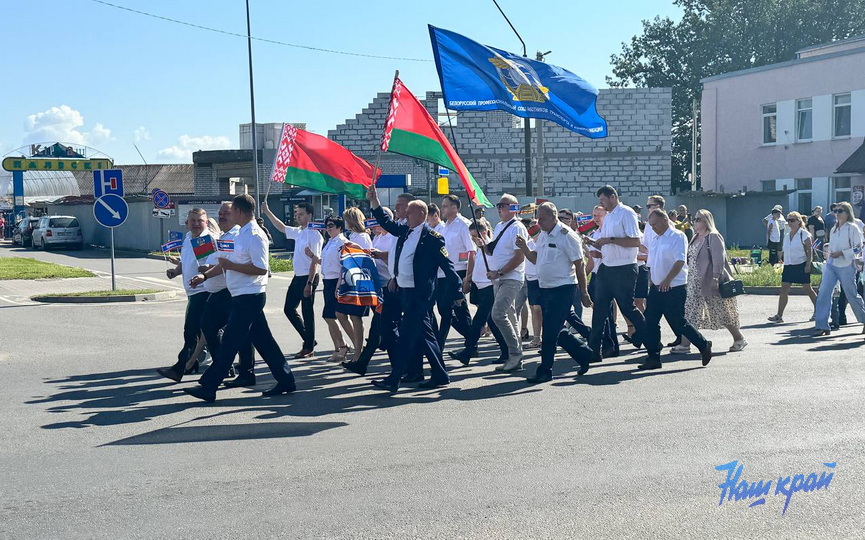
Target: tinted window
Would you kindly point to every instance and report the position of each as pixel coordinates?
(63, 222)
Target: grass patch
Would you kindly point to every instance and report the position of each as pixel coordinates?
(767, 276)
(27, 268)
(101, 294)
(281, 265)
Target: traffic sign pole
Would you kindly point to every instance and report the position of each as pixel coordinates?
(110, 209)
(113, 275)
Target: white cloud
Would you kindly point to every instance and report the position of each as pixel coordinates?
(186, 145)
(141, 134)
(63, 124)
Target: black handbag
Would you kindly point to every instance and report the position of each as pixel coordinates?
(731, 288)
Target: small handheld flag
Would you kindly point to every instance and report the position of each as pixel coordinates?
(316, 225)
(174, 244)
(514, 208)
(370, 223)
(226, 246)
(203, 247)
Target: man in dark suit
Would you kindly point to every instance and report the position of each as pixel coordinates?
(418, 254)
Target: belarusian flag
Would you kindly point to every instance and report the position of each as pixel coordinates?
(411, 131)
(310, 160)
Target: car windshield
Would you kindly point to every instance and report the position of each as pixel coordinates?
(63, 222)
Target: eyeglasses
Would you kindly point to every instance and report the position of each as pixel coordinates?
(650, 206)
(698, 219)
(839, 211)
(330, 226)
(502, 205)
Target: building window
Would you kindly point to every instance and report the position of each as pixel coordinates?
(803, 120)
(770, 124)
(841, 116)
(841, 188)
(768, 185)
(803, 195)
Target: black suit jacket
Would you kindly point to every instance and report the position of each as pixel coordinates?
(428, 258)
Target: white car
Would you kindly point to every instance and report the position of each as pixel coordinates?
(52, 231)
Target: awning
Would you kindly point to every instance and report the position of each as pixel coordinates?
(855, 164)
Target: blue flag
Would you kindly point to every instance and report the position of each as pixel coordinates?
(475, 77)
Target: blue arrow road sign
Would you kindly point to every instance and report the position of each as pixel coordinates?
(110, 210)
(160, 199)
(108, 181)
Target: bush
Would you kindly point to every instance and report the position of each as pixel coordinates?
(281, 265)
(766, 276)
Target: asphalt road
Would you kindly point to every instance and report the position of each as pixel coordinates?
(96, 445)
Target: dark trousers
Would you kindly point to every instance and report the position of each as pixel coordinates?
(382, 329)
(246, 322)
(671, 305)
(774, 248)
(216, 316)
(294, 297)
(609, 339)
(195, 308)
(415, 337)
(578, 303)
(458, 316)
(485, 298)
(556, 304)
(615, 283)
(839, 306)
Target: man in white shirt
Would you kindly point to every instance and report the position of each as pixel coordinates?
(619, 242)
(649, 235)
(507, 272)
(245, 268)
(301, 290)
(669, 276)
(196, 296)
(773, 235)
(609, 337)
(559, 260)
(461, 251)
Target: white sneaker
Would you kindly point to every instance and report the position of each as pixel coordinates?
(681, 349)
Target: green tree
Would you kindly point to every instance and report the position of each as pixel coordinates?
(720, 36)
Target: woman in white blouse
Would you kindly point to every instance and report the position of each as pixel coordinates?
(845, 245)
(349, 316)
(331, 269)
(797, 255)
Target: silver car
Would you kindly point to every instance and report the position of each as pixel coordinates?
(52, 231)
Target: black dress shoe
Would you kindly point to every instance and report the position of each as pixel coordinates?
(279, 389)
(432, 384)
(650, 365)
(540, 378)
(201, 393)
(584, 367)
(385, 385)
(194, 369)
(707, 353)
(354, 367)
(464, 356)
(596, 359)
(819, 333)
(170, 373)
(243, 380)
(500, 360)
(413, 378)
(611, 353)
(675, 343)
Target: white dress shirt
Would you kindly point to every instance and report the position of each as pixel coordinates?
(189, 265)
(362, 239)
(458, 241)
(506, 247)
(304, 237)
(217, 282)
(649, 236)
(622, 222)
(665, 251)
(597, 262)
(479, 272)
(531, 268)
(250, 246)
(385, 243)
(775, 233)
(405, 277)
(794, 250)
(331, 262)
(557, 252)
(847, 239)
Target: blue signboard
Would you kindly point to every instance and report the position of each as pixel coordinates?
(110, 210)
(393, 181)
(108, 182)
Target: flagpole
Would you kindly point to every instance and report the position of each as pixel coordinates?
(383, 130)
(252, 107)
(471, 207)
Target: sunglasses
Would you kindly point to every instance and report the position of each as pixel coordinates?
(650, 206)
(330, 226)
(839, 211)
(791, 220)
(698, 219)
(502, 205)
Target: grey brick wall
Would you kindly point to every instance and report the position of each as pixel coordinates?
(635, 157)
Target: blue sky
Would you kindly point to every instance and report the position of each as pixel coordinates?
(86, 73)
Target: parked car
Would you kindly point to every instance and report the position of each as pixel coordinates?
(53, 231)
(22, 234)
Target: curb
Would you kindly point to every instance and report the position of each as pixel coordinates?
(151, 297)
(773, 291)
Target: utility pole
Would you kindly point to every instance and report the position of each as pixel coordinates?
(696, 184)
(539, 135)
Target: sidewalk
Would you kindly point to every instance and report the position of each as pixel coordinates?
(19, 291)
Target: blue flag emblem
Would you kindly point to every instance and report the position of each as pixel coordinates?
(480, 78)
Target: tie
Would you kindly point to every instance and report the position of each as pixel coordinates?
(399, 245)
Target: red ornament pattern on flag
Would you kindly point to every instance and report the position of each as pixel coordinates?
(283, 157)
(391, 114)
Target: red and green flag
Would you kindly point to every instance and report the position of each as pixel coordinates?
(310, 160)
(203, 247)
(411, 131)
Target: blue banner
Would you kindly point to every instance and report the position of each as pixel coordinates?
(475, 77)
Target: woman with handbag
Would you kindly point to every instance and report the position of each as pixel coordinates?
(845, 244)
(797, 256)
(705, 308)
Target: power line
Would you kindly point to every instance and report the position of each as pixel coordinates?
(263, 40)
